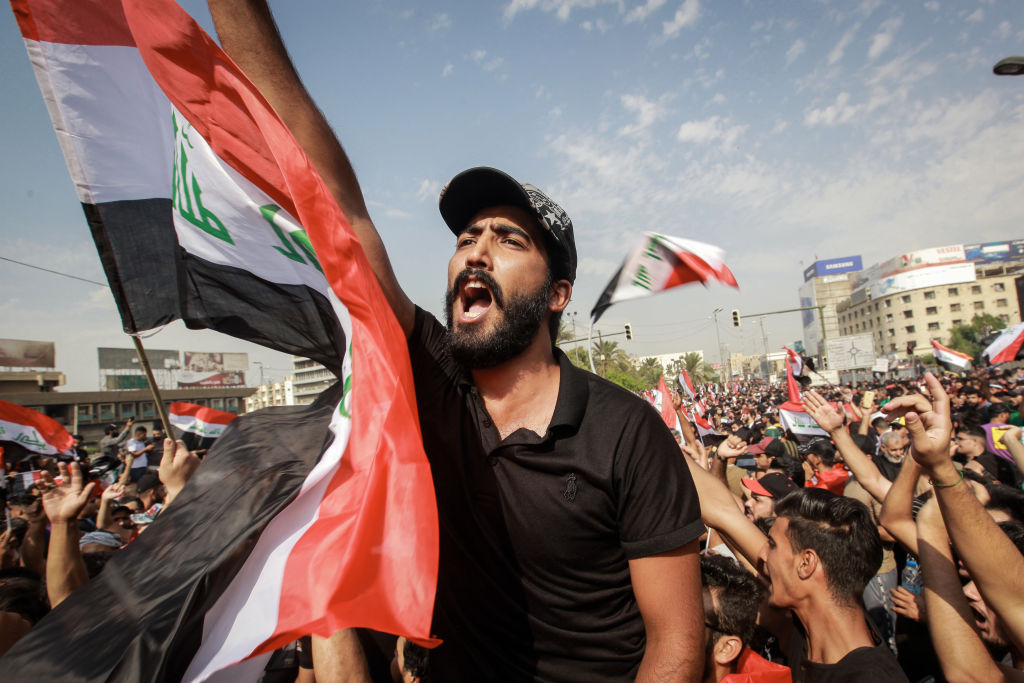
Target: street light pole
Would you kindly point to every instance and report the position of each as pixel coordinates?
(718, 337)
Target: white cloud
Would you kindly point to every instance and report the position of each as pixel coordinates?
(883, 39)
(441, 21)
(428, 190)
(839, 112)
(601, 26)
(976, 16)
(647, 112)
(719, 98)
(686, 15)
(447, 70)
(837, 52)
(480, 57)
(795, 50)
(560, 8)
(641, 12)
(1004, 29)
(932, 5)
(713, 129)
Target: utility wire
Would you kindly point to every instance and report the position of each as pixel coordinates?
(55, 272)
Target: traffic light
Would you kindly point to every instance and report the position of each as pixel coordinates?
(735, 317)
(629, 331)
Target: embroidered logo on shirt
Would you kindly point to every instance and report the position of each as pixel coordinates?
(570, 488)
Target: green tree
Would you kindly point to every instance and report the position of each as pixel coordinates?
(608, 356)
(649, 371)
(967, 338)
(696, 368)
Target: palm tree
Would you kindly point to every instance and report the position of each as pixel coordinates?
(609, 356)
(695, 367)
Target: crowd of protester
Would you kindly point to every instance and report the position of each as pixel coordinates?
(886, 548)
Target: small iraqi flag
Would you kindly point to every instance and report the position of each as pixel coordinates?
(686, 384)
(199, 420)
(660, 262)
(32, 430)
(954, 361)
(1007, 345)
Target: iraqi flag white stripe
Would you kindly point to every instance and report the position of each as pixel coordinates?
(246, 613)
(111, 158)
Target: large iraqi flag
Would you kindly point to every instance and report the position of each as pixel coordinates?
(203, 207)
(660, 262)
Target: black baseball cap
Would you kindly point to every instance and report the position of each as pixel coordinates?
(478, 188)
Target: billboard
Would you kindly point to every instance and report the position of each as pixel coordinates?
(847, 264)
(851, 351)
(22, 353)
(994, 252)
(954, 253)
(203, 369)
(930, 276)
(127, 359)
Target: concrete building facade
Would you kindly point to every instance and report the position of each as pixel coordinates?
(272, 394)
(309, 380)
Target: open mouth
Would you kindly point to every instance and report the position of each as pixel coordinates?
(980, 619)
(476, 300)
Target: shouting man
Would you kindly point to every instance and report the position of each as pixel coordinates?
(568, 520)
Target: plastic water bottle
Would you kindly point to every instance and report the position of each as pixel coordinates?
(911, 577)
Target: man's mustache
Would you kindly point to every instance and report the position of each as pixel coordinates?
(481, 276)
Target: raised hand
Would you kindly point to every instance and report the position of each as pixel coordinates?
(928, 422)
(64, 501)
(176, 467)
(827, 417)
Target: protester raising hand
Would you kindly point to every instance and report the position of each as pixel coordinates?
(62, 502)
(65, 570)
(929, 425)
(827, 417)
(176, 468)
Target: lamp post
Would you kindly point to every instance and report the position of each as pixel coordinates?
(1009, 66)
(718, 336)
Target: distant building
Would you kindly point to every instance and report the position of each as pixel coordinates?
(272, 394)
(309, 380)
(827, 284)
(666, 360)
(918, 303)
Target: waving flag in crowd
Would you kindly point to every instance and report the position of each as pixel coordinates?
(663, 404)
(686, 384)
(952, 360)
(659, 262)
(792, 413)
(204, 208)
(32, 430)
(200, 426)
(1007, 346)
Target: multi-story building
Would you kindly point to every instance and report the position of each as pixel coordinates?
(272, 394)
(309, 380)
(827, 284)
(911, 299)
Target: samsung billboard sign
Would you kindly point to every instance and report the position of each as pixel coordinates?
(848, 264)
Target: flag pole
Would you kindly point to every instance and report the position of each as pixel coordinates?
(590, 346)
(160, 407)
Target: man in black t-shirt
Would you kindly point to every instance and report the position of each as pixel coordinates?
(821, 552)
(568, 520)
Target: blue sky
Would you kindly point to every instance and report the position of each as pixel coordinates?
(779, 131)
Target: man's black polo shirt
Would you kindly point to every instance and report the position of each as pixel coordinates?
(536, 532)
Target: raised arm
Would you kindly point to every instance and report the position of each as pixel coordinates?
(834, 422)
(249, 35)
(992, 559)
(65, 569)
(897, 514)
(961, 652)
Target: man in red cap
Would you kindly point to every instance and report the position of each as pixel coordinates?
(763, 493)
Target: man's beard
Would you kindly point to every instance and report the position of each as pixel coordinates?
(522, 317)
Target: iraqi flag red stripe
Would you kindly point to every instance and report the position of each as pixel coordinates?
(394, 562)
(72, 23)
(32, 430)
